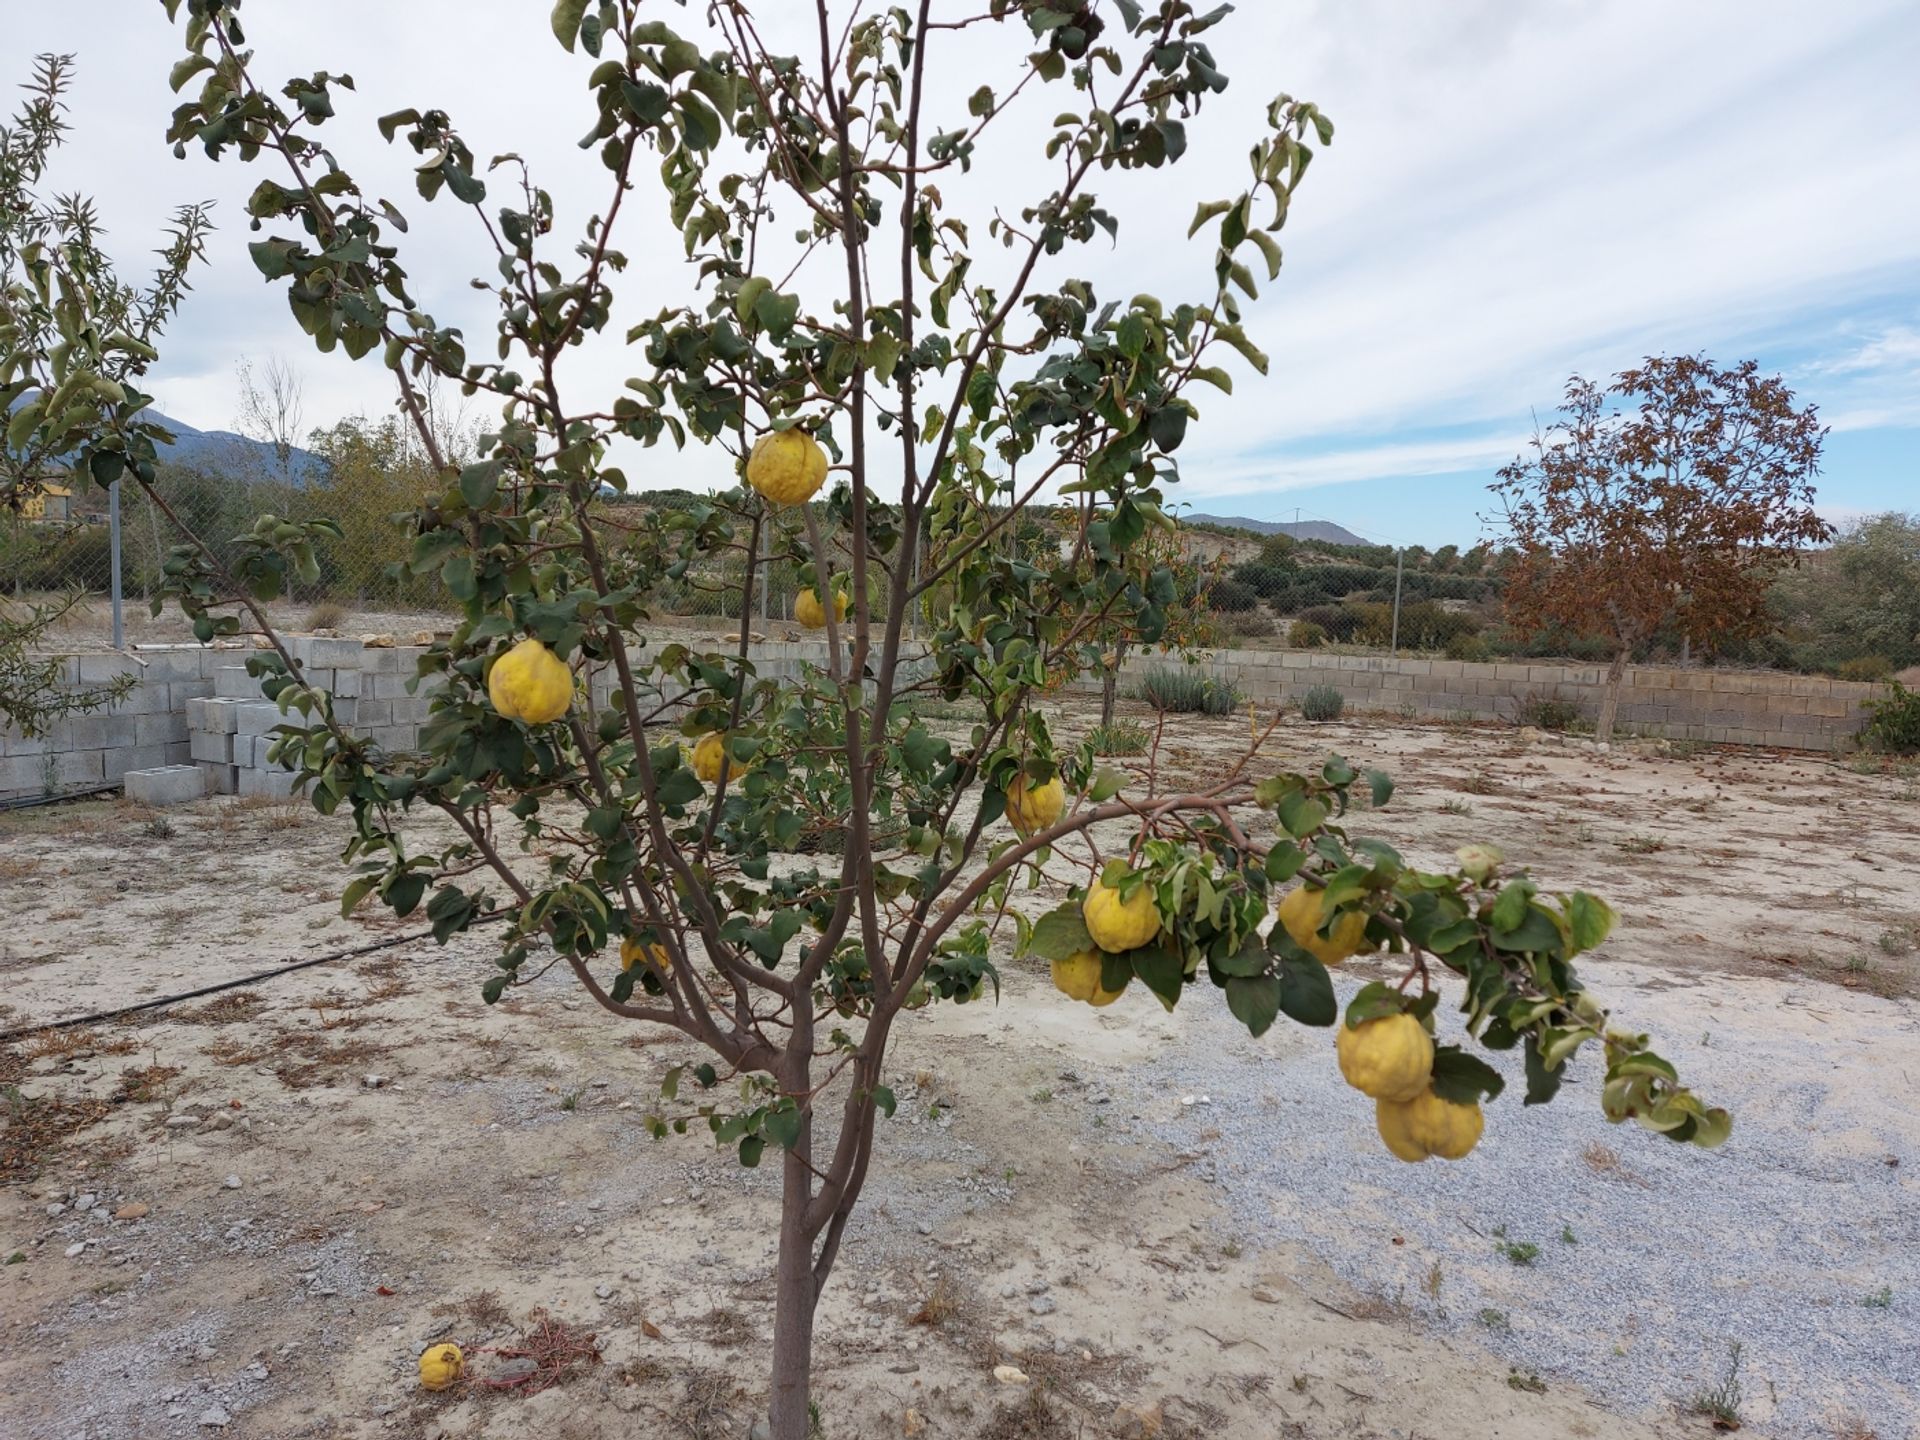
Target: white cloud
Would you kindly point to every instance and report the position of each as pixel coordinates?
(1515, 192)
(1895, 348)
(1349, 464)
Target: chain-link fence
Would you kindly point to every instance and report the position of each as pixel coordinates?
(1282, 593)
(1852, 610)
(112, 549)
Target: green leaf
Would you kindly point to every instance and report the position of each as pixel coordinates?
(185, 70)
(355, 893)
(1306, 991)
(1543, 1083)
(1254, 1001)
(1107, 782)
(1246, 962)
(1536, 932)
(1374, 999)
(479, 483)
(1059, 933)
(1208, 209)
(1381, 785)
(1511, 908)
(751, 1149)
(1644, 1063)
(783, 1126)
(1160, 970)
(882, 354)
(1299, 815)
(566, 18)
(1168, 427)
(1284, 861)
(1463, 1078)
(884, 1101)
(921, 750)
(390, 123)
(1591, 919)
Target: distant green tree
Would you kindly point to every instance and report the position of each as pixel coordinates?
(1861, 600)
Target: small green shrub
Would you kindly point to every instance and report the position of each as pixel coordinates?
(1249, 622)
(1544, 712)
(326, 616)
(1123, 737)
(1341, 623)
(1894, 720)
(1307, 635)
(1187, 691)
(1468, 647)
(1322, 702)
(1863, 667)
(1230, 597)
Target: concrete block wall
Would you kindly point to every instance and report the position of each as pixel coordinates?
(194, 704)
(1737, 707)
(145, 730)
(231, 732)
(197, 705)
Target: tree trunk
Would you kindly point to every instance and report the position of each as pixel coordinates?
(794, 1300)
(1610, 698)
(1110, 687)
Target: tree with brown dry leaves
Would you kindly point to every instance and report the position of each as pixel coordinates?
(1670, 498)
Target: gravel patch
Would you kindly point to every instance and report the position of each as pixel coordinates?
(1600, 1253)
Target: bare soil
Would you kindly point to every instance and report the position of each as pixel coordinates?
(320, 1175)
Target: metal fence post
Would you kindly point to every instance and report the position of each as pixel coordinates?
(913, 583)
(113, 542)
(766, 566)
(1399, 571)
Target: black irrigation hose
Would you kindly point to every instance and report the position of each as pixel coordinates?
(32, 800)
(10, 1036)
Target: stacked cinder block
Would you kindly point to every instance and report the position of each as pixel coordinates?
(231, 732)
(146, 729)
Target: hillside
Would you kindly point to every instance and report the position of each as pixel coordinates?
(1324, 531)
(224, 452)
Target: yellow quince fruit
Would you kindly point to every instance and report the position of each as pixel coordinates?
(1389, 1057)
(1078, 978)
(531, 684)
(710, 760)
(1034, 807)
(440, 1366)
(808, 610)
(1426, 1126)
(786, 466)
(1117, 924)
(1304, 911)
(634, 952)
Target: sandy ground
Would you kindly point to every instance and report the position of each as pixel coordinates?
(295, 1234)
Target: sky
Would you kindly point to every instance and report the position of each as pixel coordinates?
(1516, 192)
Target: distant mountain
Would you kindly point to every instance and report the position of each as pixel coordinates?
(225, 453)
(222, 452)
(1324, 531)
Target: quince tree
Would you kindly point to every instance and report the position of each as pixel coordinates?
(861, 366)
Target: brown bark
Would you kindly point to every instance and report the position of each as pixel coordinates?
(795, 1295)
(1110, 687)
(1610, 698)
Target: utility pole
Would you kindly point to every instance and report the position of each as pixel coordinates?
(1399, 570)
(113, 540)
